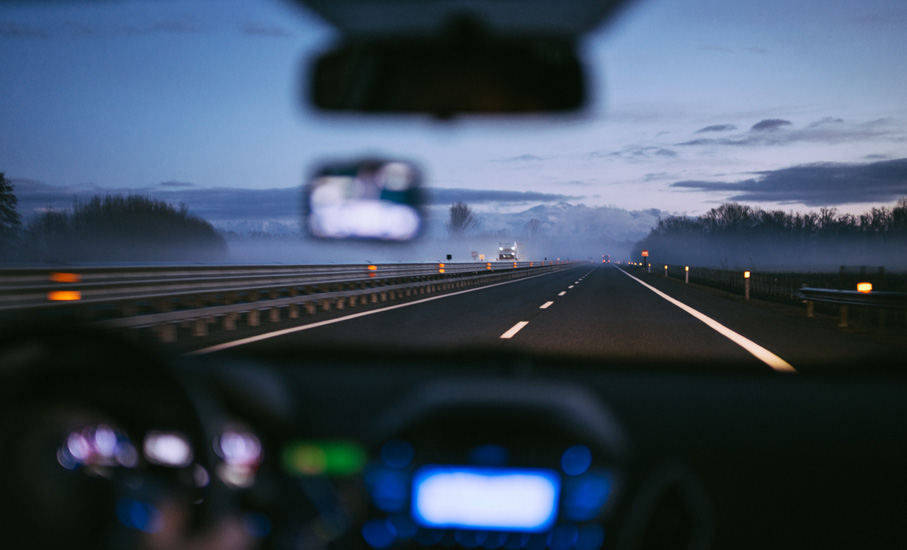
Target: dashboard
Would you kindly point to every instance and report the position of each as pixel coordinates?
(108, 443)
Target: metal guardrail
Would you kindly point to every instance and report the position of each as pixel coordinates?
(168, 297)
(847, 298)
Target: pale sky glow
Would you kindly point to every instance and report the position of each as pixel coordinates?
(136, 93)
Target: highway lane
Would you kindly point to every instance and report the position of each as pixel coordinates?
(586, 311)
(589, 310)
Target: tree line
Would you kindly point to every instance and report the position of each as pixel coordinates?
(735, 234)
(113, 228)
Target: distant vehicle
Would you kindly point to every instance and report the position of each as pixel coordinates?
(509, 251)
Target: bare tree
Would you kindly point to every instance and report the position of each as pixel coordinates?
(534, 225)
(462, 219)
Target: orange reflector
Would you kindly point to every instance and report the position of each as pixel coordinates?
(530, 264)
(864, 287)
(487, 266)
(440, 271)
(686, 268)
(64, 295)
(373, 268)
(441, 266)
(65, 277)
(514, 264)
(746, 274)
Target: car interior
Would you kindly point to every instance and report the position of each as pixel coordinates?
(110, 439)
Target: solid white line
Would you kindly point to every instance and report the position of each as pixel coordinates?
(758, 351)
(260, 337)
(562, 293)
(546, 305)
(514, 329)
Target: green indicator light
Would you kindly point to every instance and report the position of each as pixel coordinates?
(333, 458)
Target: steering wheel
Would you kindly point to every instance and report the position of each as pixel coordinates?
(104, 444)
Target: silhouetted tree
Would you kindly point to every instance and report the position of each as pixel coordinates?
(462, 219)
(10, 221)
(739, 234)
(118, 228)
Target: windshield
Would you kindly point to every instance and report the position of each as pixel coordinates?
(744, 150)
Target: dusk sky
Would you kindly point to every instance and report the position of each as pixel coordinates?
(787, 104)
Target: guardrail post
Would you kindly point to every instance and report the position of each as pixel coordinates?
(274, 315)
(253, 318)
(293, 311)
(310, 307)
(810, 308)
(842, 318)
(166, 332)
(200, 327)
(229, 322)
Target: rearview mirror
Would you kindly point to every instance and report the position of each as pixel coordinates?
(364, 199)
(446, 77)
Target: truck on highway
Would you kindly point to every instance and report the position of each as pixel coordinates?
(511, 251)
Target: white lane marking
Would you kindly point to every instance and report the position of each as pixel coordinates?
(514, 329)
(571, 286)
(546, 305)
(276, 333)
(562, 293)
(758, 351)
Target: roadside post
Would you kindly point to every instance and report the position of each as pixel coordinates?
(686, 273)
(746, 285)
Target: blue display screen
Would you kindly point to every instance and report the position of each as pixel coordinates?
(498, 499)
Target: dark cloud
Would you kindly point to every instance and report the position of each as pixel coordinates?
(445, 196)
(717, 128)
(820, 184)
(828, 130)
(227, 207)
(769, 124)
(704, 141)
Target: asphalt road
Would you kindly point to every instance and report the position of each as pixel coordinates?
(622, 318)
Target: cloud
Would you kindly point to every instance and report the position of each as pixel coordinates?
(828, 130)
(172, 183)
(13, 29)
(258, 29)
(636, 152)
(446, 196)
(716, 128)
(522, 158)
(769, 124)
(819, 184)
(826, 120)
